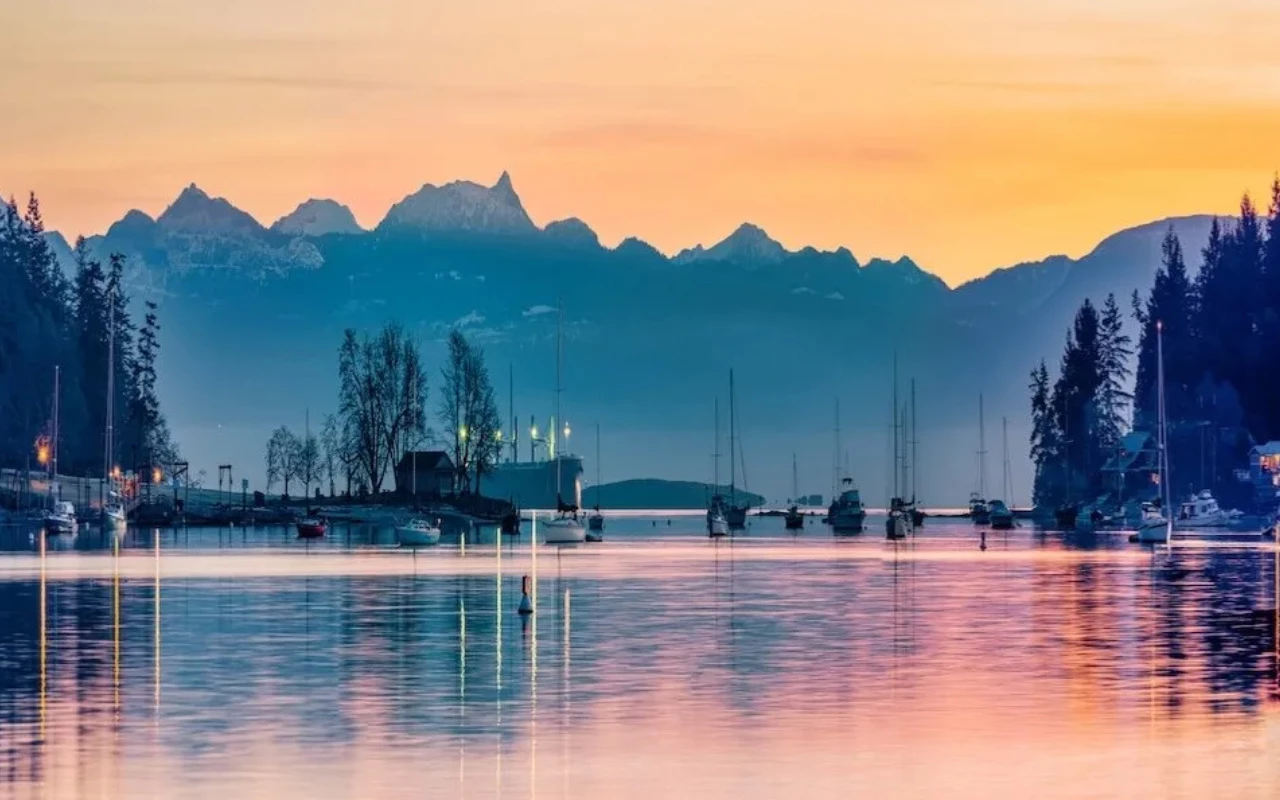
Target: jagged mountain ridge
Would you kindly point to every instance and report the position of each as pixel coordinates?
(648, 338)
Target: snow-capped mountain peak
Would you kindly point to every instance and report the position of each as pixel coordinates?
(317, 218)
(462, 206)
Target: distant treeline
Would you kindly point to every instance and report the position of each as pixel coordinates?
(48, 321)
(1221, 332)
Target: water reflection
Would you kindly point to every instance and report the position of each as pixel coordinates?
(678, 667)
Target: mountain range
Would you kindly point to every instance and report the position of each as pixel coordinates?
(252, 317)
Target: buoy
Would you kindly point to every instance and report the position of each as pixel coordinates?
(983, 544)
(526, 604)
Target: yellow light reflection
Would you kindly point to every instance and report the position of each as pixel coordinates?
(44, 635)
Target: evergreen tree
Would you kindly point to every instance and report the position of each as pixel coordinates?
(1172, 302)
(1044, 437)
(1113, 364)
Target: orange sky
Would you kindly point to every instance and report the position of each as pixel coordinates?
(969, 135)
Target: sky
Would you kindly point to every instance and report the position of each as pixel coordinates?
(968, 135)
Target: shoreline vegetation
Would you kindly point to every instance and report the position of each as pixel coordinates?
(1221, 330)
(51, 320)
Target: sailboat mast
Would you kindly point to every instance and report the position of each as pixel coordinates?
(895, 427)
(795, 479)
(511, 412)
(555, 432)
(597, 465)
(1006, 479)
(982, 450)
(1164, 439)
(915, 441)
(53, 461)
(306, 441)
(109, 444)
(733, 466)
(835, 473)
(715, 453)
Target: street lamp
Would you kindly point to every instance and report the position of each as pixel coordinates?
(462, 433)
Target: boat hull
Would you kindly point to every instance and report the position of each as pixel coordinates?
(847, 521)
(717, 527)
(1001, 522)
(895, 527)
(595, 522)
(417, 537)
(311, 530)
(563, 532)
(794, 521)
(737, 517)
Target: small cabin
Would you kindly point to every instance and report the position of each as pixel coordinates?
(1264, 473)
(430, 472)
(1135, 466)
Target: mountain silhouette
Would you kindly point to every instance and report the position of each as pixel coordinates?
(253, 317)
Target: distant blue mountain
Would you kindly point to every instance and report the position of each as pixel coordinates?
(252, 317)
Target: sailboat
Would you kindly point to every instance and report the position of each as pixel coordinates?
(917, 515)
(565, 527)
(595, 522)
(418, 533)
(737, 513)
(310, 526)
(1156, 526)
(999, 511)
(978, 510)
(61, 516)
(717, 512)
(846, 514)
(113, 511)
(895, 524)
(794, 520)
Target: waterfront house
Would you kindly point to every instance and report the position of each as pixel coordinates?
(1264, 473)
(1134, 468)
(435, 474)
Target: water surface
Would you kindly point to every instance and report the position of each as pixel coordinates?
(243, 663)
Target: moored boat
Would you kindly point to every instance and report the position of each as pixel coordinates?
(847, 514)
(794, 520)
(1202, 511)
(311, 528)
(717, 519)
(418, 533)
(114, 516)
(1156, 527)
(1001, 516)
(979, 511)
(61, 518)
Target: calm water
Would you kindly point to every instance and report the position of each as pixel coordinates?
(220, 663)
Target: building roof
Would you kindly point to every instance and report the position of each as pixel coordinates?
(1135, 447)
(428, 461)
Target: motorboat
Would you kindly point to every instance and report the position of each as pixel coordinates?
(847, 514)
(1000, 515)
(418, 533)
(61, 518)
(311, 527)
(717, 518)
(979, 512)
(1203, 511)
(114, 516)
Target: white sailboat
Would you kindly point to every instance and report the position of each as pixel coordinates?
(565, 527)
(717, 510)
(61, 517)
(1156, 527)
(114, 516)
(418, 533)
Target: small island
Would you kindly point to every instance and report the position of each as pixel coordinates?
(652, 493)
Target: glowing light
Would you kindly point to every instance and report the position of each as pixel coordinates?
(156, 475)
(498, 435)
(42, 452)
(533, 432)
(567, 431)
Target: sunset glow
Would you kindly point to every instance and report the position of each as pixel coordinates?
(968, 136)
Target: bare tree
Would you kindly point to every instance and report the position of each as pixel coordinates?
(331, 444)
(283, 461)
(382, 400)
(454, 412)
(310, 464)
(485, 423)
